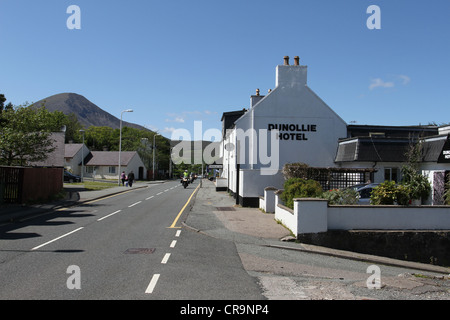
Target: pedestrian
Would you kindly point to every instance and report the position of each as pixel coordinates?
(130, 178)
(123, 177)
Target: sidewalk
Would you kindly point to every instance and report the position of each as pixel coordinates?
(216, 214)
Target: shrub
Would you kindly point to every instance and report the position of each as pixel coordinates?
(341, 196)
(385, 193)
(390, 193)
(300, 188)
(403, 195)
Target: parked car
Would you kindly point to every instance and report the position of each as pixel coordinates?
(70, 177)
(365, 190)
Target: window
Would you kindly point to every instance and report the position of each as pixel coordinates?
(391, 174)
(112, 170)
(89, 169)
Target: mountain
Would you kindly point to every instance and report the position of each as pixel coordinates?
(88, 114)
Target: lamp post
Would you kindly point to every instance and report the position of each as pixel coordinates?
(82, 157)
(156, 134)
(120, 140)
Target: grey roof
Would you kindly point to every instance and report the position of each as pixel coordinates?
(109, 158)
(55, 158)
(372, 150)
(71, 149)
(376, 149)
(433, 147)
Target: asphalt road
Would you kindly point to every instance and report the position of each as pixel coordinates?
(128, 246)
(132, 246)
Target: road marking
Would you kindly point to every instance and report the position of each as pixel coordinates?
(132, 205)
(159, 193)
(64, 235)
(114, 195)
(149, 198)
(166, 258)
(174, 242)
(152, 284)
(178, 233)
(109, 215)
(166, 190)
(182, 209)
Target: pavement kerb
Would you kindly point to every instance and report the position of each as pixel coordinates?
(303, 247)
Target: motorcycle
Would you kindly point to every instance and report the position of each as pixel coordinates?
(185, 182)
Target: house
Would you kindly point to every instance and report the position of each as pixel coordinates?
(291, 124)
(73, 154)
(105, 164)
(102, 164)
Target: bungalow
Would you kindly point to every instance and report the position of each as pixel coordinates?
(72, 156)
(105, 164)
(102, 164)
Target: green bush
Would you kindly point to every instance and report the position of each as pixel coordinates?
(345, 196)
(390, 193)
(300, 188)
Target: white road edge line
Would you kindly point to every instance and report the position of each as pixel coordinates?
(132, 205)
(174, 242)
(109, 215)
(166, 258)
(64, 235)
(152, 284)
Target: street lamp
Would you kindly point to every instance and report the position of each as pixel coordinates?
(156, 134)
(82, 157)
(120, 139)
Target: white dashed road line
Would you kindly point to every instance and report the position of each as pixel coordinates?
(166, 258)
(60, 237)
(152, 284)
(132, 205)
(109, 215)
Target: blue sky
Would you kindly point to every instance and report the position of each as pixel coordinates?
(175, 62)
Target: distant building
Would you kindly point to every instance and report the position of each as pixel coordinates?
(73, 155)
(103, 164)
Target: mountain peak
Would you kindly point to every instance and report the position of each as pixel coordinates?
(88, 113)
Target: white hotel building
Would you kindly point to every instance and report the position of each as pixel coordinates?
(292, 124)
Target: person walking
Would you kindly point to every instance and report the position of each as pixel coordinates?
(123, 177)
(130, 178)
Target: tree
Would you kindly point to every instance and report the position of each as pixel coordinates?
(25, 134)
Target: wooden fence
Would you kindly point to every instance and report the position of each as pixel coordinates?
(21, 185)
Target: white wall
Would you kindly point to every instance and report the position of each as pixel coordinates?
(313, 216)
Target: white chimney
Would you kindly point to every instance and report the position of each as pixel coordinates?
(291, 75)
(254, 99)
